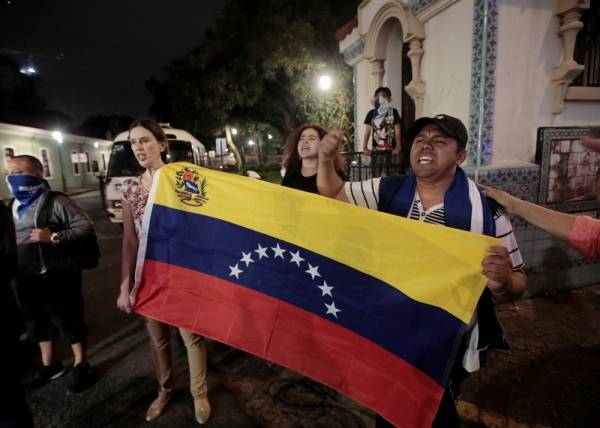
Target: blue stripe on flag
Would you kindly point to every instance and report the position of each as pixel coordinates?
(421, 334)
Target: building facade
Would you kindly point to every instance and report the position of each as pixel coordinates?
(524, 78)
(71, 162)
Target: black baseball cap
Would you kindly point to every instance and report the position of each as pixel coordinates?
(452, 126)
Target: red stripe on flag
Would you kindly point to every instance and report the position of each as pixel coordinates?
(292, 337)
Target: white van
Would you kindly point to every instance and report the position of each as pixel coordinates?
(183, 147)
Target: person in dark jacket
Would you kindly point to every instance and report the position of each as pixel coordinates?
(14, 411)
(48, 279)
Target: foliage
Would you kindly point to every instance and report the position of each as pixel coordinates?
(106, 127)
(257, 70)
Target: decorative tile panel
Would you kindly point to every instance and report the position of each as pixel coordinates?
(521, 182)
(544, 256)
(419, 5)
(568, 170)
(357, 147)
(483, 80)
(354, 50)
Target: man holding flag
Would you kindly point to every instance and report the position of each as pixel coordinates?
(439, 192)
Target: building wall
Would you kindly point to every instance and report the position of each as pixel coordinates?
(37, 142)
(393, 65)
(447, 61)
(365, 86)
(498, 81)
(529, 46)
(369, 10)
(550, 264)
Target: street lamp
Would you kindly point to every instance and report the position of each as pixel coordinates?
(325, 82)
(57, 135)
(234, 131)
(28, 70)
(269, 136)
(250, 142)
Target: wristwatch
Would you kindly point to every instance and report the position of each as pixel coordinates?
(54, 238)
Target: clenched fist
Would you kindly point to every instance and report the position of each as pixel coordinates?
(497, 267)
(330, 145)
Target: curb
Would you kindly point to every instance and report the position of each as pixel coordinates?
(81, 192)
(471, 414)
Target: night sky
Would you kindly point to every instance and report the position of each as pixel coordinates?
(111, 47)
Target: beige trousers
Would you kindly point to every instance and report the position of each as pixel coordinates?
(160, 347)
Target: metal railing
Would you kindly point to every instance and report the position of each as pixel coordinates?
(361, 167)
(587, 47)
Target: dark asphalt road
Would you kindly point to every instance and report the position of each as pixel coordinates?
(548, 379)
(244, 391)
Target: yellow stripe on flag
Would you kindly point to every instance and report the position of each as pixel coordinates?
(432, 264)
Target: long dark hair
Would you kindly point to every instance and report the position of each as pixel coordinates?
(153, 126)
(292, 162)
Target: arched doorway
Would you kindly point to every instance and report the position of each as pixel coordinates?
(396, 72)
(408, 104)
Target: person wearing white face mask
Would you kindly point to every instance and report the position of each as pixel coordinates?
(383, 129)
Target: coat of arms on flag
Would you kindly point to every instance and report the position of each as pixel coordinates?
(190, 187)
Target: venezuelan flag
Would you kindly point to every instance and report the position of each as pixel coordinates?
(368, 303)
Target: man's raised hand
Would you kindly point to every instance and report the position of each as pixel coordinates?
(330, 145)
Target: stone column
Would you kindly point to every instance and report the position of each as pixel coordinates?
(377, 70)
(569, 13)
(416, 87)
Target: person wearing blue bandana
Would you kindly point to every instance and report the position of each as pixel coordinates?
(383, 130)
(26, 189)
(48, 278)
(438, 191)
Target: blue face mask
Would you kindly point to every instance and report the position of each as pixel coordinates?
(26, 189)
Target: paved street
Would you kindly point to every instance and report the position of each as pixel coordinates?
(549, 379)
(551, 376)
(244, 391)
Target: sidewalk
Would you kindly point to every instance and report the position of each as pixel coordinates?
(73, 191)
(551, 377)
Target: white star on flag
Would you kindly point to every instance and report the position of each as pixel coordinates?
(331, 309)
(296, 258)
(326, 289)
(235, 271)
(262, 252)
(278, 251)
(247, 258)
(313, 271)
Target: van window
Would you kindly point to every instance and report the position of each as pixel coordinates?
(122, 162)
(180, 151)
